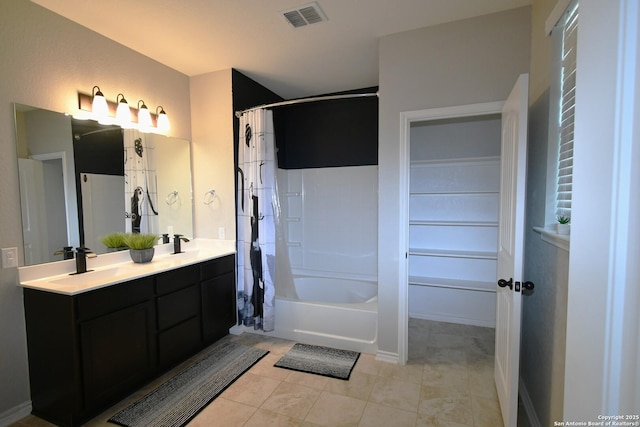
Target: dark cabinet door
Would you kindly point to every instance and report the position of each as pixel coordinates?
(179, 342)
(218, 306)
(54, 369)
(118, 353)
(179, 334)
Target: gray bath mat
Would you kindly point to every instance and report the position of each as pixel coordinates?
(327, 361)
(180, 398)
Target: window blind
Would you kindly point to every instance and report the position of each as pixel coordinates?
(567, 109)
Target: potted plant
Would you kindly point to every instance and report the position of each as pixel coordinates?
(114, 242)
(141, 246)
(563, 225)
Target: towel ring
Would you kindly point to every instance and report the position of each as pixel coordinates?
(172, 197)
(209, 196)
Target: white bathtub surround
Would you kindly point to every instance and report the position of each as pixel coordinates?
(331, 219)
(339, 313)
(328, 257)
(335, 290)
(256, 219)
(116, 267)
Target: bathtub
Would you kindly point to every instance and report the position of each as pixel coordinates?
(341, 313)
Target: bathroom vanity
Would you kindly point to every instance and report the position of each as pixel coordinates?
(94, 338)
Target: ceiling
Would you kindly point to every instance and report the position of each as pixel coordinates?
(201, 36)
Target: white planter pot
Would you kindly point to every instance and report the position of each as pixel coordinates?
(563, 228)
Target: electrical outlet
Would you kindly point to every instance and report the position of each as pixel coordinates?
(221, 233)
(9, 257)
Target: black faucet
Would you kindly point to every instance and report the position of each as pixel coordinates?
(165, 238)
(176, 243)
(66, 252)
(82, 254)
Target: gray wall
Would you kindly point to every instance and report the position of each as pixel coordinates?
(46, 60)
(465, 62)
(544, 318)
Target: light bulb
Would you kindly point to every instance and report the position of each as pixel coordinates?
(99, 107)
(162, 120)
(123, 112)
(144, 117)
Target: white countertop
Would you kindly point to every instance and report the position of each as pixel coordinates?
(117, 267)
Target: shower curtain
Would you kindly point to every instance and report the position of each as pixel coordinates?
(140, 187)
(257, 209)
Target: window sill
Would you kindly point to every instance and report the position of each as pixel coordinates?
(552, 237)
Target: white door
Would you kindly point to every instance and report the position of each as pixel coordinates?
(32, 198)
(102, 208)
(511, 248)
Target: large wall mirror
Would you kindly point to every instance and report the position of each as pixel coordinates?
(74, 178)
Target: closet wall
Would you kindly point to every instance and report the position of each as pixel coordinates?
(453, 219)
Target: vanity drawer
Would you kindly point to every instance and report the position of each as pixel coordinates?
(178, 306)
(173, 280)
(106, 300)
(218, 267)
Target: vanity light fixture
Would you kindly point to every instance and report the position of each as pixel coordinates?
(99, 107)
(162, 121)
(95, 106)
(123, 112)
(144, 117)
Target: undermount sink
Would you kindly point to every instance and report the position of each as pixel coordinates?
(92, 275)
(188, 254)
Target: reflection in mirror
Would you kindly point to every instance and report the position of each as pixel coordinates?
(73, 182)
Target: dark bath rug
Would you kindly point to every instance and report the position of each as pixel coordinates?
(327, 361)
(183, 396)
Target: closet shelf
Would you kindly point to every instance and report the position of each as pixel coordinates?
(453, 254)
(457, 161)
(452, 192)
(439, 282)
(427, 222)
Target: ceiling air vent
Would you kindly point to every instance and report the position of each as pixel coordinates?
(304, 15)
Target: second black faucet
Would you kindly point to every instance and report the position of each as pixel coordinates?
(177, 238)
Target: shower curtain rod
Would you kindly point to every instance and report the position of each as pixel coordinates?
(304, 100)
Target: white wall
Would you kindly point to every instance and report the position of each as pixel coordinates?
(455, 139)
(465, 62)
(602, 375)
(173, 158)
(212, 151)
(46, 60)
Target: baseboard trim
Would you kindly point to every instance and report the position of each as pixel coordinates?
(449, 319)
(15, 414)
(387, 356)
(528, 404)
(237, 330)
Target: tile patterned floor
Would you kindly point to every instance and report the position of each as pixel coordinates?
(448, 381)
